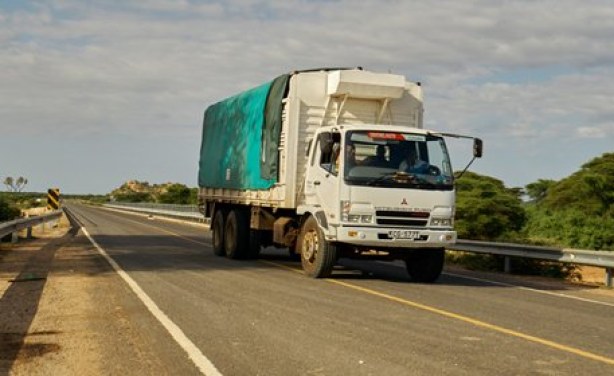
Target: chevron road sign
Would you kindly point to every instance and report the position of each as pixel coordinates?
(53, 199)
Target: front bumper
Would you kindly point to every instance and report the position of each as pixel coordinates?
(380, 237)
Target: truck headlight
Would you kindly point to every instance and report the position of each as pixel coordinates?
(346, 216)
(441, 222)
(353, 218)
(366, 218)
(360, 218)
(345, 210)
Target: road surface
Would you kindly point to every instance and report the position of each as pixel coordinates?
(193, 312)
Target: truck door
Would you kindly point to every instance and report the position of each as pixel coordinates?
(322, 178)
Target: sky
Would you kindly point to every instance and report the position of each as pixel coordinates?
(95, 93)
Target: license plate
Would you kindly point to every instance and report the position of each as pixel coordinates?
(403, 234)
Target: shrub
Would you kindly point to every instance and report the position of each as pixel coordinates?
(8, 212)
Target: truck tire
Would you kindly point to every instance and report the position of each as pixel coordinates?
(425, 265)
(236, 235)
(217, 236)
(318, 256)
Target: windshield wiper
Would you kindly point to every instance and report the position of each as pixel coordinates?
(399, 176)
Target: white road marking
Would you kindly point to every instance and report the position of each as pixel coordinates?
(200, 361)
(531, 289)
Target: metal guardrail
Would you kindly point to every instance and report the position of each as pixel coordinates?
(176, 211)
(603, 259)
(14, 226)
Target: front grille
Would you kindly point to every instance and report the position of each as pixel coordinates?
(404, 214)
(402, 218)
(401, 222)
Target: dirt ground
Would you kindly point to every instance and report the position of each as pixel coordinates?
(28, 338)
(63, 311)
(592, 275)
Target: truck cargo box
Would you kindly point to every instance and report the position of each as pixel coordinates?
(254, 144)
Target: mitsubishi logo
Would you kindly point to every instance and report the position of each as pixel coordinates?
(404, 202)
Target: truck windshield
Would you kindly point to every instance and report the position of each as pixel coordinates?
(391, 159)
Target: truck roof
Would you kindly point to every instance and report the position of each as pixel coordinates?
(382, 127)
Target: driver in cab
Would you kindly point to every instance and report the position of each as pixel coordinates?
(411, 163)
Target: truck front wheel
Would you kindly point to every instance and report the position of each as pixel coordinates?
(318, 256)
(425, 265)
(217, 236)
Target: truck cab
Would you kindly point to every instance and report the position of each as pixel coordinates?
(383, 191)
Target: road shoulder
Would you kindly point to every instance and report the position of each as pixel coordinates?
(75, 316)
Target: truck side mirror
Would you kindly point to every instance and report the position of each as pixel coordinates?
(477, 148)
(326, 142)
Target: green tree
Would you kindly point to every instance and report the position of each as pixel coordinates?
(590, 190)
(15, 185)
(21, 183)
(537, 191)
(193, 196)
(571, 228)
(8, 212)
(175, 194)
(132, 196)
(577, 211)
(486, 209)
(10, 183)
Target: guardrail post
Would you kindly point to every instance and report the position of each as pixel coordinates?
(608, 277)
(507, 264)
(14, 237)
(29, 232)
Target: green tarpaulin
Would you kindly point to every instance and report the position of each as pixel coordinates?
(240, 139)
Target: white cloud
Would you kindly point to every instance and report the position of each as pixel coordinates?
(70, 58)
(556, 108)
(128, 67)
(603, 130)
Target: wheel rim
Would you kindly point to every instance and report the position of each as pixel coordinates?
(310, 246)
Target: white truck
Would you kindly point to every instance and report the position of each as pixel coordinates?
(329, 163)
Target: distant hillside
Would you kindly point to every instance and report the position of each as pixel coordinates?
(142, 191)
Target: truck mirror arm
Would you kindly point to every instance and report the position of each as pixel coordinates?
(465, 169)
(477, 148)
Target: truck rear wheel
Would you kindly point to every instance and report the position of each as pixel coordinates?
(318, 256)
(425, 265)
(236, 235)
(217, 237)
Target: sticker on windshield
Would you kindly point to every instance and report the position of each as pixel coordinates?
(386, 136)
(414, 137)
(396, 136)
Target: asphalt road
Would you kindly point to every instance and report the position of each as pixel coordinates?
(263, 317)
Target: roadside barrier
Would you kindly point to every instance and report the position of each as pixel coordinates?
(15, 226)
(603, 259)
